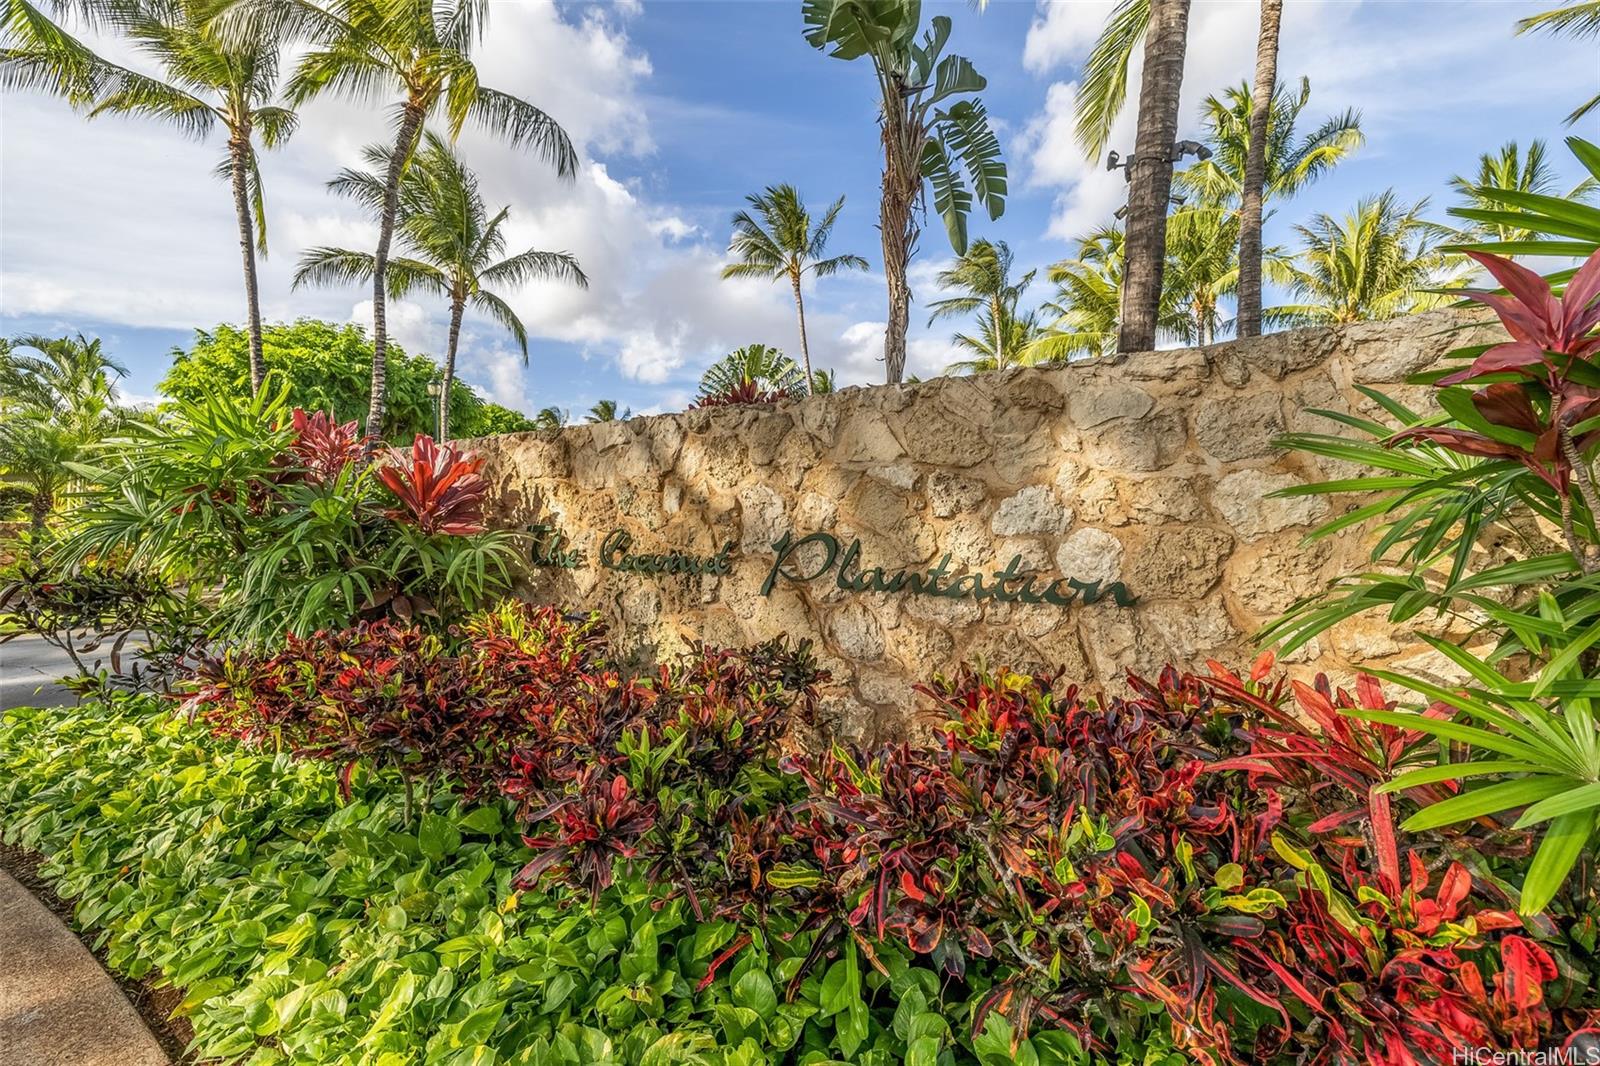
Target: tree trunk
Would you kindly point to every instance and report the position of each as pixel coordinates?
(805, 349)
(1255, 171)
(995, 312)
(458, 303)
(38, 515)
(1150, 181)
(897, 226)
(405, 141)
(239, 157)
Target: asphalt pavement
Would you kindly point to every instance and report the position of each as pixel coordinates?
(29, 668)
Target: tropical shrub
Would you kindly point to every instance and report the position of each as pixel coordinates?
(328, 367)
(280, 512)
(756, 373)
(1516, 440)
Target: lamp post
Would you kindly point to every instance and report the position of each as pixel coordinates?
(435, 390)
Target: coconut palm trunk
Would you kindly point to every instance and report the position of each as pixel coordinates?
(1151, 177)
(405, 142)
(805, 347)
(898, 225)
(39, 509)
(1255, 171)
(239, 164)
(458, 304)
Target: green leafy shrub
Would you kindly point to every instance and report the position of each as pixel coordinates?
(328, 367)
(1511, 450)
(281, 515)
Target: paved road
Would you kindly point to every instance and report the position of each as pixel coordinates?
(57, 1006)
(28, 669)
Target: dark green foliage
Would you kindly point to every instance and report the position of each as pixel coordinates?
(281, 517)
(328, 368)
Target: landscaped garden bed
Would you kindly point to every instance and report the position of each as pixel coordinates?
(618, 869)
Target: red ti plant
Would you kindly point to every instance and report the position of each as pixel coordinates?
(322, 449)
(440, 487)
(1543, 416)
(746, 392)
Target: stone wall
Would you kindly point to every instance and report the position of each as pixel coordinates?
(1153, 471)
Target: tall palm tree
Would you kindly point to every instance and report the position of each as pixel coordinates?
(1087, 306)
(455, 248)
(1001, 342)
(1579, 18)
(922, 141)
(1150, 173)
(1255, 170)
(57, 405)
(1511, 169)
(607, 411)
(1379, 261)
(983, 276)
(1086, 309)
(783, 245)
(421, 49)
(1290, 161)
(758, 364)
(206, 83)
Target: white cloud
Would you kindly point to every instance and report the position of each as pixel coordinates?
(861, 362)
(655, 309)
(1063, 32)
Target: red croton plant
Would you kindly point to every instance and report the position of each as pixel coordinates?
(1197, 865)
(1540, 394)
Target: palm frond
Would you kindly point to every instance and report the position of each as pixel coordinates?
(524, 125)
(330, 267)
(1103, 82)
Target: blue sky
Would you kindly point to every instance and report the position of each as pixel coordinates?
(679, 109)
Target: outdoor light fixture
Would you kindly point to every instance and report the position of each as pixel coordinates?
(1179, 150)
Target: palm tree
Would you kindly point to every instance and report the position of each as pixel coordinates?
(57, 404)
(1202, 267)
(1002, 342)
(550, 418)
(921, 139)
(454, 247)
(783, 245)
(1150, 173)
(1248, 316)
(1379, 261)
(823, 383)
(983, 274)
(755, 364)
(205, 83)
(1579, 19)
(1510, 170)
(1088, 299)
(606, 411)
(1290, 162)
(1087, 306)
(422, 49)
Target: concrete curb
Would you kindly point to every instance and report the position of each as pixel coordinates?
(58, 1007)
